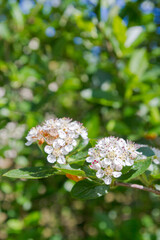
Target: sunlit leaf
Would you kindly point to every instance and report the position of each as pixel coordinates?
(31, 172)
(139, 167)
(138, 62)
(66, 168)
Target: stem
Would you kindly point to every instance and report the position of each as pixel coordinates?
(137, 186)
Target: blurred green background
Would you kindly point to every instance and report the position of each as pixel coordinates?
(96, 62)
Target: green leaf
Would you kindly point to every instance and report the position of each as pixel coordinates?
(92, 123)
(138, 62)
(88, 190)
(64, 169)
(4, 31)
(31, 172)
(106, 98)
(93, 141)
(127, 175)
(146, 151)
(135, 35)
(2, 171)
(77, 164)
(157, 176)
(88, 171)
(154, 172)
(17, 16)
(82, 145)
(126, 169)
(139, 167)
(119, 29)
(118, 126)
(78, 158)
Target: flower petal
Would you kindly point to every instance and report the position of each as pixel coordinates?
(68, 148)
(89, 159)
(63, 151)
(61, 142)
(48, 149)
(84, 134)
(55, 144)
(73, 126)
(62, 134)
(28, 143)
(51, 158)
(61, 160)
(96, 165)
(107, 180)
(100, 173)
(74, 142)
(116, 174)
(129, 162)
(106, 162)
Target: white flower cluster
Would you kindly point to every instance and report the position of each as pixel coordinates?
(110, 155)
(61, 136)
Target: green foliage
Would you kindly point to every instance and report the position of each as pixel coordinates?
(146, 151)
(139, 168)
(110, 82)
(64, 169)
(88, 190)
(31, 172)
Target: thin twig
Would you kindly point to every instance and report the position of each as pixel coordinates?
(137, 186)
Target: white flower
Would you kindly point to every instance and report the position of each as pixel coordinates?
(48, 149)
(34, 135)
(156, 157)
(73, 126)
(110, 155)
(96, 165)
(82, 131)
(61, 136)
(100, 173)
(61, 160)
(51, 158)
(55, 144)
(61, 142)
(63, 151)
(84, 134)
(107, 180)
(122, 143)
(116, 174)
(89, 159)
(68, 148)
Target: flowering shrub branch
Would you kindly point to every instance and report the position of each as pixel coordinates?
(95, 166)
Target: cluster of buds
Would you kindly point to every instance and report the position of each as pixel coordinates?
(60, 136)
(110, 155)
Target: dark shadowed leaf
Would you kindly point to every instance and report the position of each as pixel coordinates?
(88, 190)
(146, 151)
(88, 171)
(2, 171)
